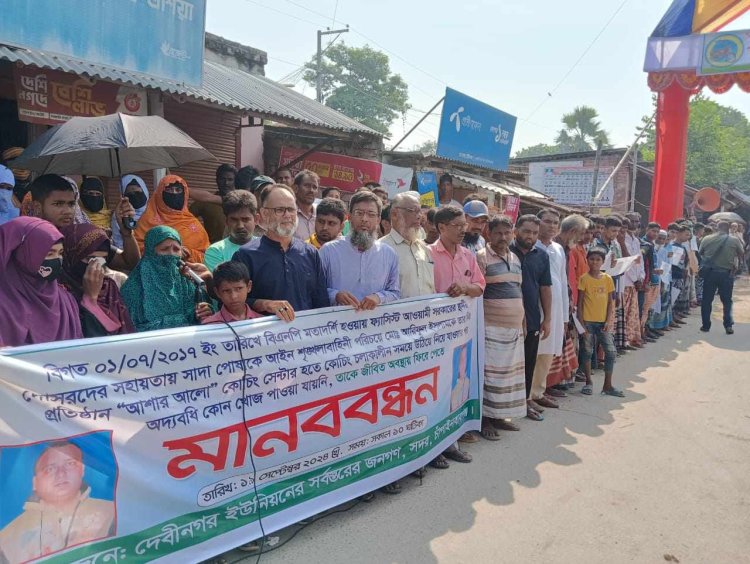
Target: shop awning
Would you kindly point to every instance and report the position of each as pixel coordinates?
(508, 188)
(224, 86)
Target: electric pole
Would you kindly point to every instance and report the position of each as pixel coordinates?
(319, 60)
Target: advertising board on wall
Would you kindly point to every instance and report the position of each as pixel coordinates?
(569, 182)
(159, 38)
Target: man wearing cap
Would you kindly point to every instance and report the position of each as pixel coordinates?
(477, 216)
(306, 186)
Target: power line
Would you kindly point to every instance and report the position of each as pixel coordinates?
(572, 68)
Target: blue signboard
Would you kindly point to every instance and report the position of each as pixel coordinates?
(160, 38)
(428, 188)
(474, 133)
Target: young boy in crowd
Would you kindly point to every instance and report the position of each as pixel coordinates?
(596, 305)
(232, 285)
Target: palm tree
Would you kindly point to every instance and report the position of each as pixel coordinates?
(582, 130)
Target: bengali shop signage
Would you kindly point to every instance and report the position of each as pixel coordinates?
(160, 38)
(474, 132)
(512, 205)
(348, 173)
(51, 97)
(154, 439)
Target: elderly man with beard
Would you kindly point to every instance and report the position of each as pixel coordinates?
(361, 271)
(415, 267)
(287, 273)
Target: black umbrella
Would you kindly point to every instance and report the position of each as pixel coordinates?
(727, 216)
(111, 146)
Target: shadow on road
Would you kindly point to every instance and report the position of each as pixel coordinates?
(446, 500)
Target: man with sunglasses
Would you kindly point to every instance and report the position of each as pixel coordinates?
(286, 273)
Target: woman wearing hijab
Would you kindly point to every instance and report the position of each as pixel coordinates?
(93, 202)
(134, 189)
(8, 210)
(169, 206)
(102, 311)
(34, 308)
(156, 294)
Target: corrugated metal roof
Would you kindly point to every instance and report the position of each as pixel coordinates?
(222, 85)
(503, 188)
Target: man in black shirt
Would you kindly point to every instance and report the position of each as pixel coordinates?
(536, 287)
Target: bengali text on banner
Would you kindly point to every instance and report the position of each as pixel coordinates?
(166, 427)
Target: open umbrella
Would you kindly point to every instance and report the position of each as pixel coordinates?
(111, 146)
(727, 216)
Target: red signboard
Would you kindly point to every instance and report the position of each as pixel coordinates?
(339, 171)
(512, 205)
(51, 97)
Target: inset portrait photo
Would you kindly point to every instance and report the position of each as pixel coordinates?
(55, 495)
(461, 386)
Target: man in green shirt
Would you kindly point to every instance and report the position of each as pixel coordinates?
(719, 253)
(241, 213)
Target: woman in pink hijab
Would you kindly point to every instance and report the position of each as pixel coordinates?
(34, 308)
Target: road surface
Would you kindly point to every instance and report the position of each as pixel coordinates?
(662, 475)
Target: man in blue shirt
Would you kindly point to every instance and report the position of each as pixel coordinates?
(287, 275)
(362, 272)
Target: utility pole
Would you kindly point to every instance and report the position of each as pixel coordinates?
(596, 174)
(319, 60)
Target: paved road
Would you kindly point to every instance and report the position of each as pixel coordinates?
(661, 475)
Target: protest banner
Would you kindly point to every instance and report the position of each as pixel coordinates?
(185, 438)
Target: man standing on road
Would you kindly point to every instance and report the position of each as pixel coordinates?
(306, 185)
(457, 274)
(559, 312)
(536, 287)
(718, 253)
(504, 377)
(287, 274)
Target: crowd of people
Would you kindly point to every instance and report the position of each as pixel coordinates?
(563, 296)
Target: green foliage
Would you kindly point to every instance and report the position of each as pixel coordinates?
(582, 130)
(538, 150)
(428, 147)
(357, 81)
(718, 152)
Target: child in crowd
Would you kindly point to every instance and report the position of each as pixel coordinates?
(596, 304)
(232, 284)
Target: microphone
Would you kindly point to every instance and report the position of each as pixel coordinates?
(193, 276)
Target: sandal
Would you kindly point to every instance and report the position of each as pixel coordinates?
(421, 473)
(468, 438)
(457, 455)
(533, 414)
(613, 392)
(490, 433)
(587, 390)
(394, 488)
(439, 462)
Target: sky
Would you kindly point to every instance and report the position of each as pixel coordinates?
(511, 54)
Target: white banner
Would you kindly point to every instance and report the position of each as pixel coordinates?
(139, 447)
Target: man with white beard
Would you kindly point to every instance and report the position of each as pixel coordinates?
(415, 268)
(286, 273)
(361, 271)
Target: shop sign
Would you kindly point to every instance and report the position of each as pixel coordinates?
(51, 97)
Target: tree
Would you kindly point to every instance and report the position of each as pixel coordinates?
(357, 81)
(427, 147)
(718, 151)
(582, 131)
(538, 150)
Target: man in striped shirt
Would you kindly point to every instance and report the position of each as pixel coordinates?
(504, 372)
